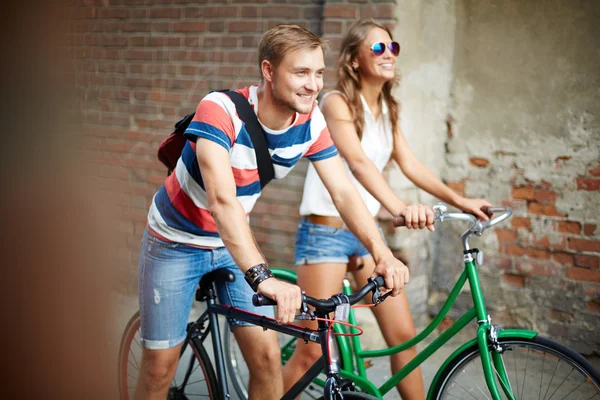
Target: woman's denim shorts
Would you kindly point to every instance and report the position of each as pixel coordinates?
(168, 276)
(317, 244)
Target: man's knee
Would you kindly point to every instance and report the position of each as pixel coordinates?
(157, 368)
(308, 354)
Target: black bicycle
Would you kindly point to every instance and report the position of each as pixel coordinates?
(196, 378)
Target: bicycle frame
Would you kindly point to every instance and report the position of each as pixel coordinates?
(321, 336)
(353, 356)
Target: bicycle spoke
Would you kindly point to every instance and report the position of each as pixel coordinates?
(542, 377)
(524, 377)
(465, 390)
(563, 381)
(516, 370)
(550, 384)
(134, 360)
(193, 383)
(499, 377)
(132, 365)
(574, 389)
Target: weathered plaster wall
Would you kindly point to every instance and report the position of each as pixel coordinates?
(526, 131)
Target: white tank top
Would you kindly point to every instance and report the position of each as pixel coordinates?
(377, 143)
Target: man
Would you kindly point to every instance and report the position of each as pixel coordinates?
(198, 220)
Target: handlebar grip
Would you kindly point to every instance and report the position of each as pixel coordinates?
(398, 221)
(379, 281)
(260, 300)
(487, 210)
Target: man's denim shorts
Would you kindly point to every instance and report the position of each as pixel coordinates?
(323, 244)
(168, 276)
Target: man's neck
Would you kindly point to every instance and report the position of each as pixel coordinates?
(271, 114)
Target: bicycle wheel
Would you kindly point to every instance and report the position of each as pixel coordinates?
(194, 378)
(537, 368)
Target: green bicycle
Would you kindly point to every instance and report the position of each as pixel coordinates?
(496, 364)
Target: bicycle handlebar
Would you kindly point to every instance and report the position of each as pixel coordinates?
(476, 226)
(330, 304)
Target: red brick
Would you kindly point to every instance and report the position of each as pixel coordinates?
(332, 27)
(586, 261)
(137, 27)
(377, 11)
(584, 245)
(513, 249)
(562, 257)
(458, 187)
(545, 241)
(582, 274)
(514, 280)
(281, 12)
(588, 184)
(537, 268)
(113, 13)
(543, 209)
(157, 13)
(521, 222)
(593, 306)
(186, 26)
(589, 229)
(244, 26)
(559, 316)
(340, 11)
(545, 196)
(595, 171)
(569, 227)
(524, 193)
(478, 162)
(221, 12)
(506, 235)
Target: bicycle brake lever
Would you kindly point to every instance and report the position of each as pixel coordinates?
(378, 297)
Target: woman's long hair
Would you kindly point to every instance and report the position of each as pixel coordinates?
(349, 80)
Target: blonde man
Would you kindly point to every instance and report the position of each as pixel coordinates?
(198, 219)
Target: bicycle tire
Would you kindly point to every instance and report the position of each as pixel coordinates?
(464, 375)
(202, 380)
(237, 370)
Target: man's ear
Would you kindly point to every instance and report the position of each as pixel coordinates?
(267, 70)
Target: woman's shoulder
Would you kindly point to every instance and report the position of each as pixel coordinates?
(334, 102)
(334, 94)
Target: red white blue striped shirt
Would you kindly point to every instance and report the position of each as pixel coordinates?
(179, 210)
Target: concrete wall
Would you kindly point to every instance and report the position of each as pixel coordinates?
(525, 132)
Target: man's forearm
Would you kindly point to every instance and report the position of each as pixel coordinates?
(235, 232)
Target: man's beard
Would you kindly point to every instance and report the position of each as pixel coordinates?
(284, 103)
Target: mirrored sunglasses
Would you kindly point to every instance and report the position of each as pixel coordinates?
(379, 48)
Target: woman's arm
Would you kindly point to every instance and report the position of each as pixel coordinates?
(421, 176)
(340, 124)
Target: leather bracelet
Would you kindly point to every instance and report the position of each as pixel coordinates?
(257, 274)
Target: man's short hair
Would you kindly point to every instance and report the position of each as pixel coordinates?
(283, 39)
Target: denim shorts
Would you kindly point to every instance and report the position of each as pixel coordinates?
(323, 244)
(168, 276)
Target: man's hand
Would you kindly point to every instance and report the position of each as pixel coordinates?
(394, 272)
(287, 296)
(473, 206)
(418, 217)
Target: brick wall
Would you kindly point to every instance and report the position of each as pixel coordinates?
(139, 65)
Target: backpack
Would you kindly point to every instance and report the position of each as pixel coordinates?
(170, 148)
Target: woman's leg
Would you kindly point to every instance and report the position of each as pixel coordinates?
(320, 281)
(397, 326)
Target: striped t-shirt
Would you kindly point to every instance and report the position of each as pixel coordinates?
(179, 210)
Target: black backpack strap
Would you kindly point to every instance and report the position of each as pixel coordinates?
(257, 135)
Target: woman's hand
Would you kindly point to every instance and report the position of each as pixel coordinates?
(473, 206)
(418, 217)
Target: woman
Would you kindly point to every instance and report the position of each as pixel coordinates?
(362, 116)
